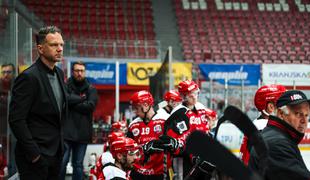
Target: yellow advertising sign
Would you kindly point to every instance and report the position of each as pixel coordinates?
(138, 73)
(22, 68)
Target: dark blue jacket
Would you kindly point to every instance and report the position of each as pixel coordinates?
(284, 160)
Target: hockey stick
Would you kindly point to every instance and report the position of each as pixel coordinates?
(202, 145)
(244, 123)
(219, 122)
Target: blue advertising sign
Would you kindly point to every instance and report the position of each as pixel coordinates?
(104, 73)
(234, 73)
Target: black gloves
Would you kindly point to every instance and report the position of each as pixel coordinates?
(169, 143)
(152, 147)
(164, 143)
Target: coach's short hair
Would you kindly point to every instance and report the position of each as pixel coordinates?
(44, 31)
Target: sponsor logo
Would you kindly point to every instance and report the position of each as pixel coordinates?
(191, 87)
(145, 171)
(289, 74)
(296, 97)
(157, 128)
(100, 74)
(182, 127)
(229, 75)
(204, 118)
(135, 132)
(195, 120)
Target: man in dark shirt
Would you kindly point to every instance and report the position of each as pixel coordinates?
(7, 76)
(282, 136)
(78, 127)
(38, 109)
(6, 82)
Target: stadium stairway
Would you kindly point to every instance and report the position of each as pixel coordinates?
(166, 27)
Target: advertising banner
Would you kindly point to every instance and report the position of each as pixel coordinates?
(104, 73)
(234, 73)
(286, 74)
(138, 73)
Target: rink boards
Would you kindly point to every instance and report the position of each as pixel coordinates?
(231, 137)
(228, 134)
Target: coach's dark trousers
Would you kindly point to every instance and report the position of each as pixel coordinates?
(46, 168)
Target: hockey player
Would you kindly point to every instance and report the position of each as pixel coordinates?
(119, 126)
(145, 130)
(265, 101)
(106, 157)
(124, 150)
(185, 118)
(172, 99)
(212, 118)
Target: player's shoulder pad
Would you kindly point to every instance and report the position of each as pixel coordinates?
(178, 108)
(260, 123)
(162, 110)
(136, 120)
(200, 106)
(163, 115)
(178, 120)
(107, 157)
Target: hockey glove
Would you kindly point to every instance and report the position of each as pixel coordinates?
(153, 146)
(201, 170)
(169, 143)
(206, 167)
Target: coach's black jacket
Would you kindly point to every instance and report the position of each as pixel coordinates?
(82, 102)
(34, 116)
(284, 160)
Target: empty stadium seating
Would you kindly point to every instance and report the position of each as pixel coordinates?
(217, 31)
(240, 31)
(3, 18)
(126, 23)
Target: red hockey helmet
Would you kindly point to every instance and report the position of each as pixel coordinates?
(142, 97)
(114, 135)
(187, 86)
(211, 113)
(124, 145)
(172, 95)
(267, 93)
(119, 126)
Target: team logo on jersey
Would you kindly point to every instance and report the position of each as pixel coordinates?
(181, 126)
(157, 128)
(135, 132)
(204, 118)
(195, 120)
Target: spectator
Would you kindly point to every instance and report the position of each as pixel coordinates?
(6, 83)
(37, 110)
(78, 127)
(282, 136)
(7, 76)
